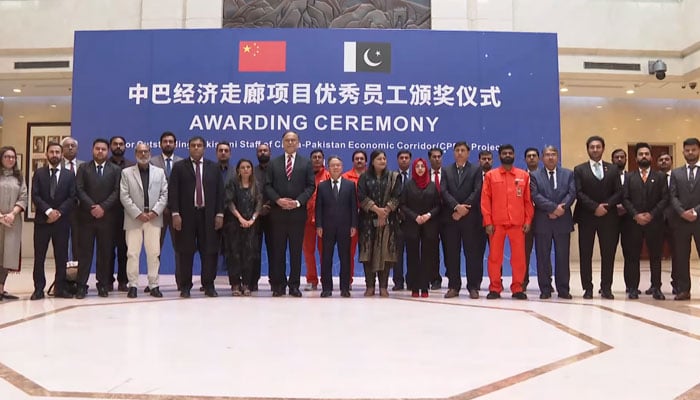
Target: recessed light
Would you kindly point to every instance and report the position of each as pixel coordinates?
(564, 90)
(599, 107)
(17, 90)
(614, 129)
(669, 108)
(630, 91)
(21, 116)
(53, 106)
(687, 120)
(637, 119)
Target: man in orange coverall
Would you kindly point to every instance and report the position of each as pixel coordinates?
(311, 241)
(359, 165)
(507, 210)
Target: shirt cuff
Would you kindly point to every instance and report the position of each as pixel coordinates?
(220, 215)
(49, 211)
(298, 203)
(175, 214)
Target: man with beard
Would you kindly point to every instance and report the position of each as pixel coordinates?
(263, 155)
(53, 195)
(507, 209)
(485, 162)
(166, 160)
(117, 145)
(532, 161)
(144, 194)
(645, 197)
(404, 160)
(359, 166)
(598, 193)
(223, 157)
(311, 239)
(665, 164)
(685, 200)
(71, 163)
(437, 177)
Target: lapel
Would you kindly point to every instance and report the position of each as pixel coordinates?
(62, 177)
(459, 178)
(190, 166)
(135, 173)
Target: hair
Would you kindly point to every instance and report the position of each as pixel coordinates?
(314, 151)
(15, 168)
(402, 152)
(461, 143)
(641, 145)
(529, 149)
(550, 147)
(485, 153)
(376, 153)
(617, 151)
(333, 157)
(100, 140)
(113, 138)
(49, 144)
(435, 149)
(286, 132)
(67, 138)
(136, 148)
(166, 134)
(195, 139)
(665, 153)
(593, 139)
(691, 142)
(359, 152)
(505, 147)
(227, 144)
(252, 183)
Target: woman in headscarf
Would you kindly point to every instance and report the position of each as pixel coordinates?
(420, 204)
(13, 201)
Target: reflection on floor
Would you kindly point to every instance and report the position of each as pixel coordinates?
(357, 348)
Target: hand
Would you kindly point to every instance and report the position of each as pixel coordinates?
(97, 211)
(456, 216)
(621, 210)
(381, 221)
(489, 229)
(152, 215)
(9, 218)
(462, 210)
(53, 216)
(601, 210)
(265, 209)
(319, 232)
(218, 222)
(382, 212)
(689, 215)
(559, 211)
(353, 232)
(552, 215)
(177, 222)
(643, 218)
(143, 217)
(419, 220)
(526, 228)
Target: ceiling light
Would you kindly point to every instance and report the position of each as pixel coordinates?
(637, 119)
(53, 106)
(669, 108)
(17, 90)
(630, 91)
(599, 107)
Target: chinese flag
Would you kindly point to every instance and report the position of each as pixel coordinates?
(265, 56)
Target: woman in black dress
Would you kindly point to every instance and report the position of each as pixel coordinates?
(244, 199)
(420, 204)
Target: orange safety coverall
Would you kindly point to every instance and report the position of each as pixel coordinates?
(311, 240)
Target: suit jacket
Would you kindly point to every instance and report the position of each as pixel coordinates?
(415, 201)
(78, 163)
(92, 189)
(650, 196)
(547, 199)
(466, 190)
(301, 185)
(131, 195)
(683, 196)
(336, 215)
(181, 188)
(590, 191)
(64, 197)
(158, 161)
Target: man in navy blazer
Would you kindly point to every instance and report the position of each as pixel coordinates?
(336, 222)
(54, 202)
(553, 190)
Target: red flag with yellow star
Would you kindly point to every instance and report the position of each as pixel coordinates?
(262, 56)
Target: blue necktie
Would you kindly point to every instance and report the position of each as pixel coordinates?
(168, 167)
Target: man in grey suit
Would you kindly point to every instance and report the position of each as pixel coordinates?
(166, 160)
(144, 194)
(70, 162)
(553, 191)
(685, 200)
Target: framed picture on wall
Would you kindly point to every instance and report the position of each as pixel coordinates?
(20, 163)
(39, 134)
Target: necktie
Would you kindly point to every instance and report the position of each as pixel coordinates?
(335, 189)
(551, 179)
(598, 171)
(459, 172)
(691, 174)
(71, 167)
(99, 171)
(645, 174)
(168, 166)
(53, 182)
(288, 169)
(404, 177)
(198, 192)
(437, 180)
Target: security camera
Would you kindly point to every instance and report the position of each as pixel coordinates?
(657, 68)
(693, 85)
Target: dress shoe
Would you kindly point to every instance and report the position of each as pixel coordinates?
(674, 291)
(210, 292)
(311, 287)
(383, 292)
(473, 294)
(64, 294)
(649, 291)
(185, 293)
(369, 292)
(397, 288)
(133, 292)
(607, 294)
(123, 287)
(424, 294)
(682, 296)
(493, 295)
(201, 288)
(81, 293)
(110, 288)
(519, 296)
(294, 292)
(566, 296)
(588, 294)
(326, 293)
(155, 292)
(236, 290)
(545, 296)
(147, 289)
(658, 295)
(633, 295)
(277, 293)
(37, 295)
(436, 285)
(451, 293)
(415, 293)
(344, 293)
(245, 290)
(102, 291)
(8, 296)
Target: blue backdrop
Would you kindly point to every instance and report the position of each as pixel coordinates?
(341, 90)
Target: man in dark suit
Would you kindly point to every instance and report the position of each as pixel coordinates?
(553, 191)
(665, 164)
(403, 158)
(196, 201)
(289, 186)
(263, 156)
(53, 195)
(437, 176)
(645, 197)
(98, 192)
(598, 192)
(532, 161)
(336, 223)
(462, 223)
(685, 199)
(117, 145)
(71, 163)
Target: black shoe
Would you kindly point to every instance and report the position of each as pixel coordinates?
(473, 294)
(147, 289)
(64, 294)
(607, 294)
(566, 296)
(545, 296)
(37, 295)
(132, 293)
(253, 288)
(493, 295)
(436, 285)
(519, 296)
(326, 293)
(451, 293)
(8, 296)
(277, 293)
(588, 294)
(201, 288)
(344, 293)
(155, 292)
(185, 293)
(633, 295)
(210, 292)
(102, 291)
(649, 291)
(122, 287)
(397, 288)
(294, 292)
(658, 295)
(682, 296)
(81, 293)
(674, 291)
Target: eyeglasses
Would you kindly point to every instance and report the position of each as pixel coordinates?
(9, 157)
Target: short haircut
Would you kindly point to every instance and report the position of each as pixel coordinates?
(48, 145)
(196, 139)
(100, 140)
(286, 132)
(617, 151)
(402, 152)
(461, 143)
(550, 147)
(485, 153)
(67, 138)
(641, 145)
(593, 139)
(113, 138)
(314, 151)
(529, 149)
(333, 157)
(227, 144)
(439, 150)
(665, 153)
(166, 134)
(691, 142)
(356, 152)
(505, 147)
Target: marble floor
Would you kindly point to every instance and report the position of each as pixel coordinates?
(357, 348)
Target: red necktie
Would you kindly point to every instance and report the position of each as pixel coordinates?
(71, 168)
(437, 181)
(645, 173)
(289, 167)
(198, 192)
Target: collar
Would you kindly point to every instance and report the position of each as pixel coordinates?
(201, 160)
(100, 164)
(551, 170)
(593, 163)
(165, 158)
